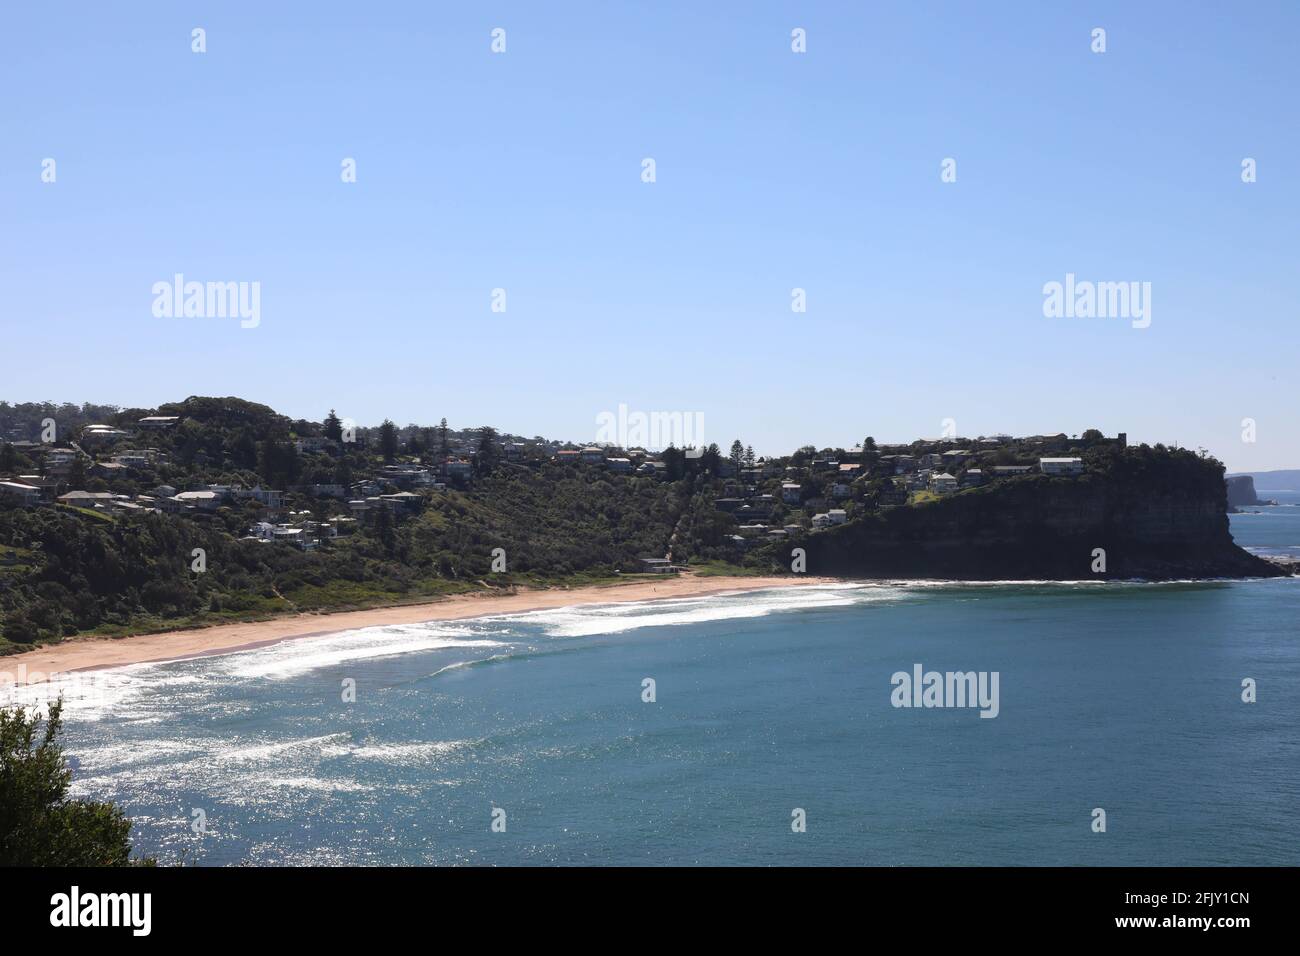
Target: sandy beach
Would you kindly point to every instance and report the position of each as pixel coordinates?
(93, 653)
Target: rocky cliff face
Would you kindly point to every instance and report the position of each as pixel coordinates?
(1157, 519)
(1241, 491)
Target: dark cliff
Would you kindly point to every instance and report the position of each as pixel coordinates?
(1241, 492)
(1157, 514)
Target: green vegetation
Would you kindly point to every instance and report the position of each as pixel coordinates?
(39, 825)
(505, 513)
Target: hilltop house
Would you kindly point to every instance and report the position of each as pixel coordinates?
(1061, 466)
(158, 422)
(314, 444)
(200, 500)
(93, 434)
(462, 470)
(85, 499)
(23, 495)
(943, 484)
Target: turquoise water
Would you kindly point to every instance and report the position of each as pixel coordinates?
(1125, 697)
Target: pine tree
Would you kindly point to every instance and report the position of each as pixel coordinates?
(332, 427)
(388, 440)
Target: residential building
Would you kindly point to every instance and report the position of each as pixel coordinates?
(17, 493)
(158, 422)
(403, 501)
(200, 500)
(942, 483)
(1061, 466)
(85, 499)
(95, 434)
(315, 444)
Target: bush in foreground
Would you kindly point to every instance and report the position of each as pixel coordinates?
(39, 824)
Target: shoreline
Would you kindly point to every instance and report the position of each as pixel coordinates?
(101, 653)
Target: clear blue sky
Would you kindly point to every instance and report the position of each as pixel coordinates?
(774, 170)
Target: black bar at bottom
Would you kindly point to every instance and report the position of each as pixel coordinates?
(333, 905)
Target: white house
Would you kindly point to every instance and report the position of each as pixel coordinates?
(791, 492)
(313, 444)
(203, 500)
(101, 433)
(942, 483)
(20, 494)
(837, 515)
(1061, 466)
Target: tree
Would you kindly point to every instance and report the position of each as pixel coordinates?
(332, 427)
(737, 455)
(749, 456)
(39, 825)
(444, 447)
(486, 459)
(243, 450)
(388, 440)
(77, 473)
(674, 460)
(19, 629)
(385, 530)
(711, 459)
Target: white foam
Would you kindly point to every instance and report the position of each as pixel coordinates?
(586, 621)
(290, 658)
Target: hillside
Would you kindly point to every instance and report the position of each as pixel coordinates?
(217, 509)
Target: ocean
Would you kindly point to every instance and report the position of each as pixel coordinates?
(529, 739)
